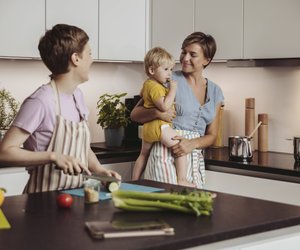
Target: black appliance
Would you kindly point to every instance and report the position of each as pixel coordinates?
(131, 131)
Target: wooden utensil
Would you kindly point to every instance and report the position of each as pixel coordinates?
(254, 130)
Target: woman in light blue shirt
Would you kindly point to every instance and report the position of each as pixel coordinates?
(198, 102)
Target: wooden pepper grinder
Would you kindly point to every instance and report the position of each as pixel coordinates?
(250, 117)
(263, 133)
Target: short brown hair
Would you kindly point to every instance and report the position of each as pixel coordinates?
(156, 57)
(206, 42)
(58, 44)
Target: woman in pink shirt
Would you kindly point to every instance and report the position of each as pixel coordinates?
(52, 122)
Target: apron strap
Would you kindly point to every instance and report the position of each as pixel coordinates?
(78, 109)
(57, 102)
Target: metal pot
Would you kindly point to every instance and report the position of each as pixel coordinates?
(239, 148)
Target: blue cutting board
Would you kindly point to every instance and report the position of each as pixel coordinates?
(124, 186)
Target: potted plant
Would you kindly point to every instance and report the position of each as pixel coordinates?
(113, 117)
(8, 110)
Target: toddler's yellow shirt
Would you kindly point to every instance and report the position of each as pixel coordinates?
(152, 91)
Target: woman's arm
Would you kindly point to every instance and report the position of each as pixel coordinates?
(11, 153)
(185, 146)
(96, 167)
(142, 115)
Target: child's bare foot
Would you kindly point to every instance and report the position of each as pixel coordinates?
(186, 183)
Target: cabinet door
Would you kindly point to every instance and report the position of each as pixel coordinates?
(122, 30)
(83, 14)
(259, 188)
(271, 28)
(13, 179)
(21, 27)
(172, 21)
(224, 21)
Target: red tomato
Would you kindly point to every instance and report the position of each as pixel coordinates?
(64, 200)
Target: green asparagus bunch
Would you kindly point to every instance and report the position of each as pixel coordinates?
(194, 202)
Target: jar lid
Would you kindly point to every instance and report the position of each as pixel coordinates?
(91, 182)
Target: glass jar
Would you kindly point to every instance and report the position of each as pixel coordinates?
(91, 191)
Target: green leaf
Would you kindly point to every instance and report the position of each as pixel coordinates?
(112, 112)
(9, 107)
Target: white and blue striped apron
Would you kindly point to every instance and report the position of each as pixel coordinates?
(160, 166)
(69, 138)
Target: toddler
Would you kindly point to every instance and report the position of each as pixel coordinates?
(159, 91)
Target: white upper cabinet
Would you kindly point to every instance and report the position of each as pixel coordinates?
(172, 21)
(271, 28)
(21, 27)
(122, 29)
(83, 14)
(243, 29)
(119, 30)
(224, 21)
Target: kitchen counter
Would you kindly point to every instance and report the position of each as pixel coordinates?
(125, 153)
(270, 165)
(37, 223)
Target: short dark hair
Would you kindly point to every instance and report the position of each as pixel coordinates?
(206, 42)
(58, 44)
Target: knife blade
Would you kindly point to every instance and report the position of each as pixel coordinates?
(101, 178)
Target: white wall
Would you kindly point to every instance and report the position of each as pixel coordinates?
(276, 90)
(22, 77)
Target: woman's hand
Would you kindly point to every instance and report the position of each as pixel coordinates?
(107, 172)
(69, 164)
(96, 167)
(183, 147)
(167, 116)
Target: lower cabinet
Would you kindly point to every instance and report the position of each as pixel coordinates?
(13, 180)
(285, 238)
(260, 188)
(123, 168)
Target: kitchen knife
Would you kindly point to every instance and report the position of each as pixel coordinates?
(101, 178)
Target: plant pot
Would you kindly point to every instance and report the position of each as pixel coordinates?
(114, 136)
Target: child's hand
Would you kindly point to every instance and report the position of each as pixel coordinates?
(172, 84)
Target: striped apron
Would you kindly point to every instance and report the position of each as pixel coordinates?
(68, 138)
(160, 166)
